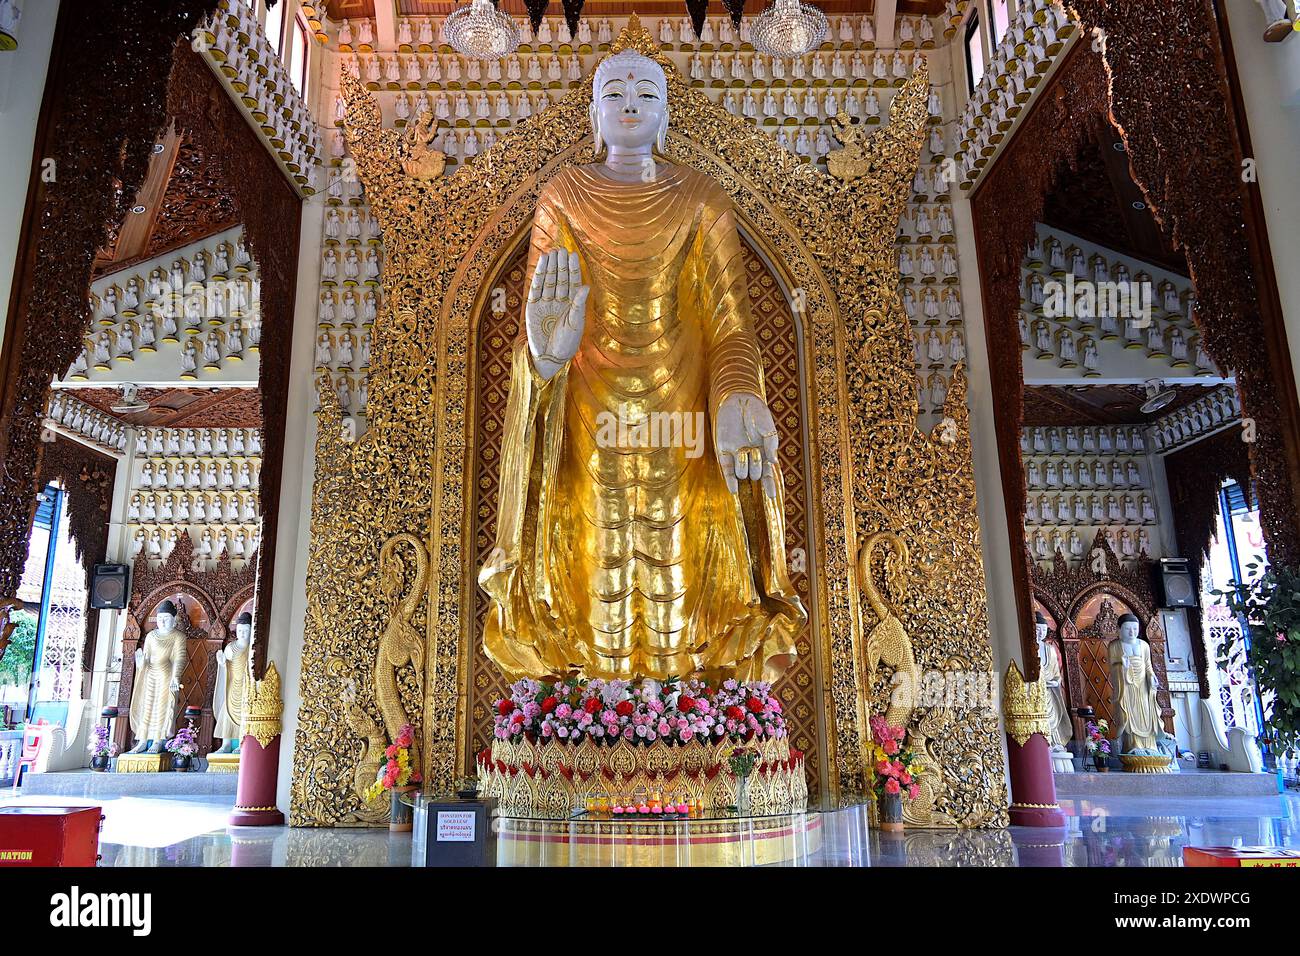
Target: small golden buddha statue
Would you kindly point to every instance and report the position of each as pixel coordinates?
(641, 528)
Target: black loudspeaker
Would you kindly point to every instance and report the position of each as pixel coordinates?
(108, 587)
(1176, 582)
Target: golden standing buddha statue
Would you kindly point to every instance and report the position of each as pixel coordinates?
(641, 528)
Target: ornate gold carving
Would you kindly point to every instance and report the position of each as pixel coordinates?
(549, 779)
(143, 763)
(1024, 706)
(446, 242)
(422, 160)
(853, 161)
(262, 719)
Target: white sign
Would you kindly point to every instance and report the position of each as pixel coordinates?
(455, 826)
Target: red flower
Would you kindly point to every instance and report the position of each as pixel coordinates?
(890, 747)
(755, 705)
(685, 704)
(735, 713)
(624, 708)
(891, 786)
(549, 704)
(505, 706)
(592, 705)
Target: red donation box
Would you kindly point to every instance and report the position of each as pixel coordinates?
(49, 836)
(1247, 856)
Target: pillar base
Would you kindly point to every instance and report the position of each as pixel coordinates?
(1031, 815)
(256, 817)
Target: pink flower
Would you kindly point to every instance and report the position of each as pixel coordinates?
(913, 792)
(891, 786)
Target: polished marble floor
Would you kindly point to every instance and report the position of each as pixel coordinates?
(1110, 831)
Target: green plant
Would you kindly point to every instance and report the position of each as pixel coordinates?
(1270, 606)
(16, 665)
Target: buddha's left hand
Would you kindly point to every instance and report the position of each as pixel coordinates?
(746, 440)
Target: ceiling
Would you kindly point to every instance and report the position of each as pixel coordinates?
(338, 9)
(1047, 405)
(182, 407)
(1097, 200)
(183, 200)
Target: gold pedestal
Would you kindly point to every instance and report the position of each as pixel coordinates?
(1147, 763)
(223, 763)
(144, 763)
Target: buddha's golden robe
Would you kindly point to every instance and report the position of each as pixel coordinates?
(614, 560)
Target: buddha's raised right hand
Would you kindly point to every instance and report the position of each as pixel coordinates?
(556, 312)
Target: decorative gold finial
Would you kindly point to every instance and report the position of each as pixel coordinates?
(1024, 706)
(262, 719)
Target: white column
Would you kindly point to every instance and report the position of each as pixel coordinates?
(385, 25)
(112, 624)
(293, 526)
(886, 16)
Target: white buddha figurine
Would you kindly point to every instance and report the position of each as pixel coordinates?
(1133, 689)
(230, 695)
(1052, 676)
(155, 690)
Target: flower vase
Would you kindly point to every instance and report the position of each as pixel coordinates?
(891, 812)
(742, 796)
(1102, 763)
(181, 762)
(401, 814)
(99, 762)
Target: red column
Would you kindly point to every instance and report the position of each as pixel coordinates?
(259, 755)
(1029, 758)
(259, 768)
(1033, 789)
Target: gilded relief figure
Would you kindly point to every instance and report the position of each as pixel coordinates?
(641, 530)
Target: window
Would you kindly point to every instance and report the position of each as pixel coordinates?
(275, 25)
(974, 52)
(999, 19)
(298, 55)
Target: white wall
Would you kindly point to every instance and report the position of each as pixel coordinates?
(293, 530)
(1269, 74)
(22, 85)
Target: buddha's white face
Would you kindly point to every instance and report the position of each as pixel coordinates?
(243, 633)
(166, 622)
(1040, 632)
(630, 108)
(1128, 631)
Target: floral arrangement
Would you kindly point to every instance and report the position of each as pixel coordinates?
(606, 711)
(185, 743)
(396, 770)
(1097, 744)
(742, 761)
(100, 745)
(896, 767)
(1270, 606)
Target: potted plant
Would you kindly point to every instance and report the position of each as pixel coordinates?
(183, 747)
(1270, 607)
(398, 776)
(101, 748)
(742, 761)
(1098, 745)
(894, 773)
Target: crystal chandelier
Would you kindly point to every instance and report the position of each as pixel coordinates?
(789, 28)
(481, 31)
